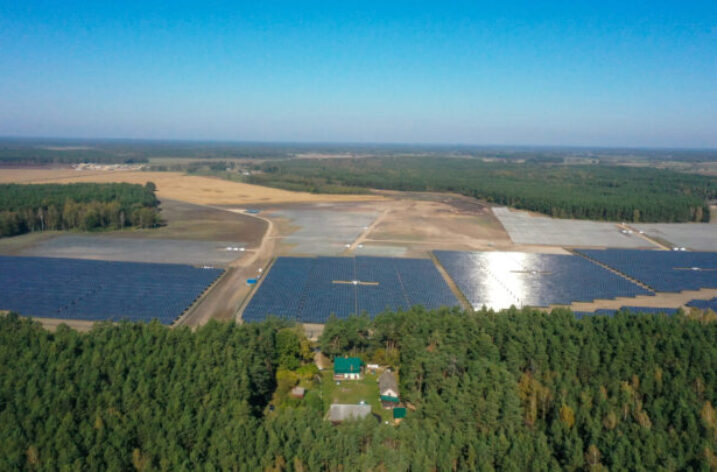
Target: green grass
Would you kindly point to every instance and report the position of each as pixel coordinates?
(353, 392)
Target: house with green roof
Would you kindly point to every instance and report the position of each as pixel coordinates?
(388, 389)
(347, 368)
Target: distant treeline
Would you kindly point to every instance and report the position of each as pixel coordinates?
(11, 155)
(44, 150)
(85, 206)
(596, 192)
(519, 390)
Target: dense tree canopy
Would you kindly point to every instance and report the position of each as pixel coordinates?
(517, 390)
(596, 192)
(86, 206)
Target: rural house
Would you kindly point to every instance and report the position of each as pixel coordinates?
(347, 368)
(388, 389)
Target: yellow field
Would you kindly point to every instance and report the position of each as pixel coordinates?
(176, 186)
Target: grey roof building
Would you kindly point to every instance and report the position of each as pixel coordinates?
(388, 385)
(339, 413)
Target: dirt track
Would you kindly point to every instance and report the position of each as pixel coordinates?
(222, 302)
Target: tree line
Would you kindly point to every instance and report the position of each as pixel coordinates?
(595, 192)
(84, 206)
(516, 390)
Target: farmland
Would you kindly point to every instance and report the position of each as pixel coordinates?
(188, 188)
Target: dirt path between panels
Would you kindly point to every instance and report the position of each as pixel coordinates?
(223, 300)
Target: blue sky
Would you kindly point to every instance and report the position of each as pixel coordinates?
(552, 73)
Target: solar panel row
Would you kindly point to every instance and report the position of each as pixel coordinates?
(663, 271)
(309, 290)
(629, 309)
(704, 304)
(501, 279)
(100, 290)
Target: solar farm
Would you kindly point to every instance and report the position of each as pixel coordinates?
(311, 289)
(100, 290)
(501, 279)
(663, 271)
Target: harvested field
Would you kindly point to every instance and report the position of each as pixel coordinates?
(525, 228)
(177, 186)
(42, 174)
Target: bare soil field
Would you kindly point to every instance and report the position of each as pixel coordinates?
(397, 225)
(197, 222)
(452, 223)
(177, 186)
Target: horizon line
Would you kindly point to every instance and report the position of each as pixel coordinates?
(355, 143)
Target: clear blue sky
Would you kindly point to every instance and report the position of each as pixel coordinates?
(555, 73)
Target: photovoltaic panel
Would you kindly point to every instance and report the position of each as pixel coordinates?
(309, 290)
(704, 304)
(501, 279)
(648, 310)
(663, 271)
(100, 290)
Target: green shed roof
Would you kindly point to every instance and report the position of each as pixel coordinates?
(347, 365)
(399, 412)
(389, 398)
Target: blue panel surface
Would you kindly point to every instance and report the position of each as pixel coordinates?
(704, 304)
(663, 271)
(501, 279)
(100, 290)
(629, 309)
(309, 290)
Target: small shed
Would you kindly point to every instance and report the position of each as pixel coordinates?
(298, 392)
(339, 413)
(399, 413)
(388, 389)
(347, 368)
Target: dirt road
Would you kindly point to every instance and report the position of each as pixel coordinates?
(224, 299)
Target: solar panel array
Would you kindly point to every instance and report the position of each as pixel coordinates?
(663, 271)
(629, 309)
(100, 290)
(704, 304)
(305, 289)
(501, 279)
